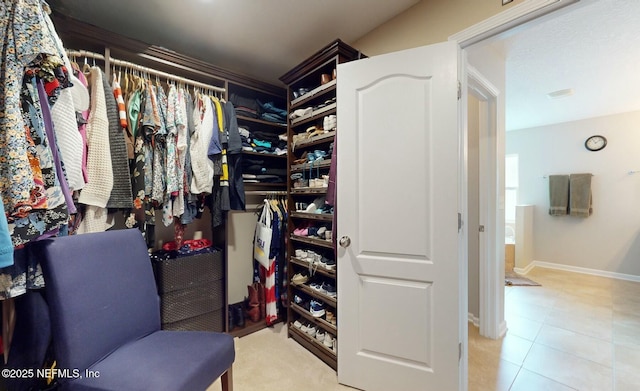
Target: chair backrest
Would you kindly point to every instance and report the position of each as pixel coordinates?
(101, 293)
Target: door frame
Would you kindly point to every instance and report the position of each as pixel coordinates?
(491, 278)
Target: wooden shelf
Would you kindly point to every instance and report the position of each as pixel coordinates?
(319, 321)
(313, 216)
(262, 154)
(332, 301)
(249, 327)
(306, 166)
(262, 122)
(320, 90)
(315, 242)
(315, 114)
(319, 270)
(310, 343)
(273, 186)
(308, 190)
(322, 139)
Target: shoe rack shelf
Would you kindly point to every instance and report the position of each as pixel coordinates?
(319, 270)
(313, 216)
(314, 241)
(306, 98)
(312, 86)
(308, 166)
(316, 140)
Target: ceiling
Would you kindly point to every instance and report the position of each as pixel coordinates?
(259, 38)
(592, 48)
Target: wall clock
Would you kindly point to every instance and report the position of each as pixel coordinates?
(595, 143)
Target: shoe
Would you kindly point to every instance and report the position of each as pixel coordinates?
(316, 309)
(335, 345)
(297, 324)
(254, 313)
(238, 314)
(299, 278)
(329, 316)
(329, 289)
(311, 331)
(301, 254)
(316, 287)
(232, 323)
(328, 264)
(304, 328)
(328, 341)
(311, 208)
(320, 335)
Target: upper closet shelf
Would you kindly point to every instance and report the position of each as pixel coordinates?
(323, 88)
(314, 114)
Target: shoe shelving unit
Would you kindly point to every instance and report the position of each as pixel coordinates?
(312, 86)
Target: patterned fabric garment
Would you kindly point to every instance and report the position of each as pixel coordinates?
(47, 218)
(24, 36)
(160, 144)
(181, 124)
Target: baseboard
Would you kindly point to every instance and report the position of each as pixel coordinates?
(474, 320)
(577, 269)
(503, 329)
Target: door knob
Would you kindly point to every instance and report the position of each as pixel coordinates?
(345, 241)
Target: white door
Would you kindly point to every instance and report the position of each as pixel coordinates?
(398, 280)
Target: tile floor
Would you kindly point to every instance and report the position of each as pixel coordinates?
(575, 332)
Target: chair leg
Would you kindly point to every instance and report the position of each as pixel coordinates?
(227, 380)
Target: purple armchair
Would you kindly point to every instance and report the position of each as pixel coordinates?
(105, 319)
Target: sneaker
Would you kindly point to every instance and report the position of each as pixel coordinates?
(329, 264)
(316, 309)
(304, 327)
(299, 278)
(311, 330)
(335, 345)
(316, 286)
(320, 336)
(297, 324)
(328, 341)
(329, 289)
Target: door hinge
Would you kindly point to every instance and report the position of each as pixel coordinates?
(459, 351)
(481, 229)
(459, 221)
(459, 90)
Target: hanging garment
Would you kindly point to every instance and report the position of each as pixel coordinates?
(24, 37)
(202, 166)
(98, 190)
(120, 197)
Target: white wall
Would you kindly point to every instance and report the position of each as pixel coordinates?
(608, 240)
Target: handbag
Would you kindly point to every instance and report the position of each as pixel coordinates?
(262, 238)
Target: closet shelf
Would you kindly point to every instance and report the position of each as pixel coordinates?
(262, 154)
(315, 242)
(325, 88)
(322, 139)
(315, 114)
(313, 216)
(308, 190)
(262, 122)
(309, 166)
(319, 270)
(312, 292)
(325, 354)
(323, 323)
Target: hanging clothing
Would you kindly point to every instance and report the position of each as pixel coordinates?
(24, 37)
(120, 197)
(202, 166)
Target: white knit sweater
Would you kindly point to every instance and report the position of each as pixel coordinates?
(98, 189)
(201, 165)
(68, 138)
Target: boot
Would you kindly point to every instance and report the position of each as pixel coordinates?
(252, 301)
(253, 313)
(238, 315)
(261, 299)
(232, 323)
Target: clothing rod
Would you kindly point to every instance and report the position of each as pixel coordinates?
(265, 192)
(151, 71)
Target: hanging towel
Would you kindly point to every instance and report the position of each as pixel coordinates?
(580, 195)
(558, 194)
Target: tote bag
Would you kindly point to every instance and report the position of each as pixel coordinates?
(262, 238)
